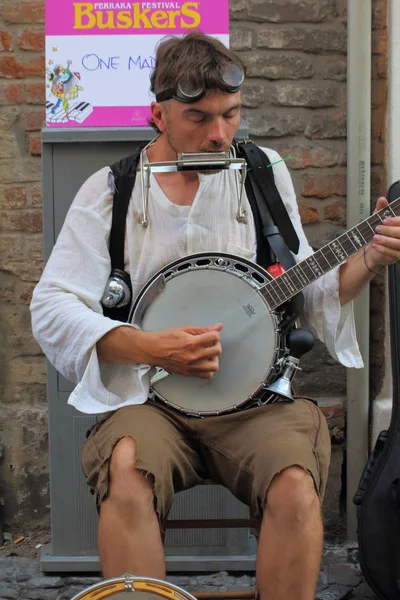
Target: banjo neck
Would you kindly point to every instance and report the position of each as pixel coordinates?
(294, 280)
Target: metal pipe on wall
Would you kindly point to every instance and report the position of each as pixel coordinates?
(359, 25)
(394, 90)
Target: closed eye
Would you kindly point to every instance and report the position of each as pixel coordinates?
(200, 116)
(231, 113)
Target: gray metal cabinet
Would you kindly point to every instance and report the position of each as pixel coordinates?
(69, 157)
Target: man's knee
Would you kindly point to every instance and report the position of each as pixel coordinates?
(292, 493)
(123, 457)
(128, 485)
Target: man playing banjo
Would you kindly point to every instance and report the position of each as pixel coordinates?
(272, 456)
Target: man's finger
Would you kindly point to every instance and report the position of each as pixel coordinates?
(211, 350)
(206, 340)
(194, 330)
(205, 365)
(381, 203)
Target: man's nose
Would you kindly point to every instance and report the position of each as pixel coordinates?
(216, 133)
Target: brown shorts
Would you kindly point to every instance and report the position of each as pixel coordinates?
(243, 451)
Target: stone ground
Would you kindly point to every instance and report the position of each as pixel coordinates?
(21, 578)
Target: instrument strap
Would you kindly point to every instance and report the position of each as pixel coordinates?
(275, 231)
(124, 172)
(266, 202)
(124, 177)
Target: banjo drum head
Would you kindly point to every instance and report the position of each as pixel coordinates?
(205, 297)
(129, 587)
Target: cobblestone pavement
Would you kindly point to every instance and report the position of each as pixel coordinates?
(340, 579)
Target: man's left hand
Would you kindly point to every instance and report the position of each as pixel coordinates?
(385, 246)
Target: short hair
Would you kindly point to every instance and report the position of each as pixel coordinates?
(195, 54)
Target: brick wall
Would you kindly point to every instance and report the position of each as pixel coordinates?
(23, 421)
(295, 101)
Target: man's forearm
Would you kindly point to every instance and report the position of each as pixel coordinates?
(188, 350)
(354, 276)
(124, 345)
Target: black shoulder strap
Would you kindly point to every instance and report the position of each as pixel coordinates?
(261, 189)
(124, 172)
(123, 179)
(274, 230)
(263, 175)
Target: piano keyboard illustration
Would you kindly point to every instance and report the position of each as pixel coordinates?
(78, 112)
(81, 111)
(58, 116)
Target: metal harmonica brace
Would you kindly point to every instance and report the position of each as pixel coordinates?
(196, 161)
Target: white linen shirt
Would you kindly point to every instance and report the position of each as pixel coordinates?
(67, 317)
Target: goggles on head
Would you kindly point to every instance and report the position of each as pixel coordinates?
(188, 91)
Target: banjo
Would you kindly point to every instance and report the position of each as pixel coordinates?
(218, 287)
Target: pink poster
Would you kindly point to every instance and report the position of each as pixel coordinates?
(99, 56)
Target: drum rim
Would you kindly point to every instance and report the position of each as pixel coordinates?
(133, 578)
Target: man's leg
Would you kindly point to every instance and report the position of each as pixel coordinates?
(135, 461)
(129, 533)
(274, 458)
(291, 538)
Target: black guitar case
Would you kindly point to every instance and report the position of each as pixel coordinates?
(378, 494)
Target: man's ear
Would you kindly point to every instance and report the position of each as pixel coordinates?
(158, 113)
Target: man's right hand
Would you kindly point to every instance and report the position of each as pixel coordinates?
(188, 350)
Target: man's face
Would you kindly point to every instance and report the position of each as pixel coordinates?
(208, 125)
